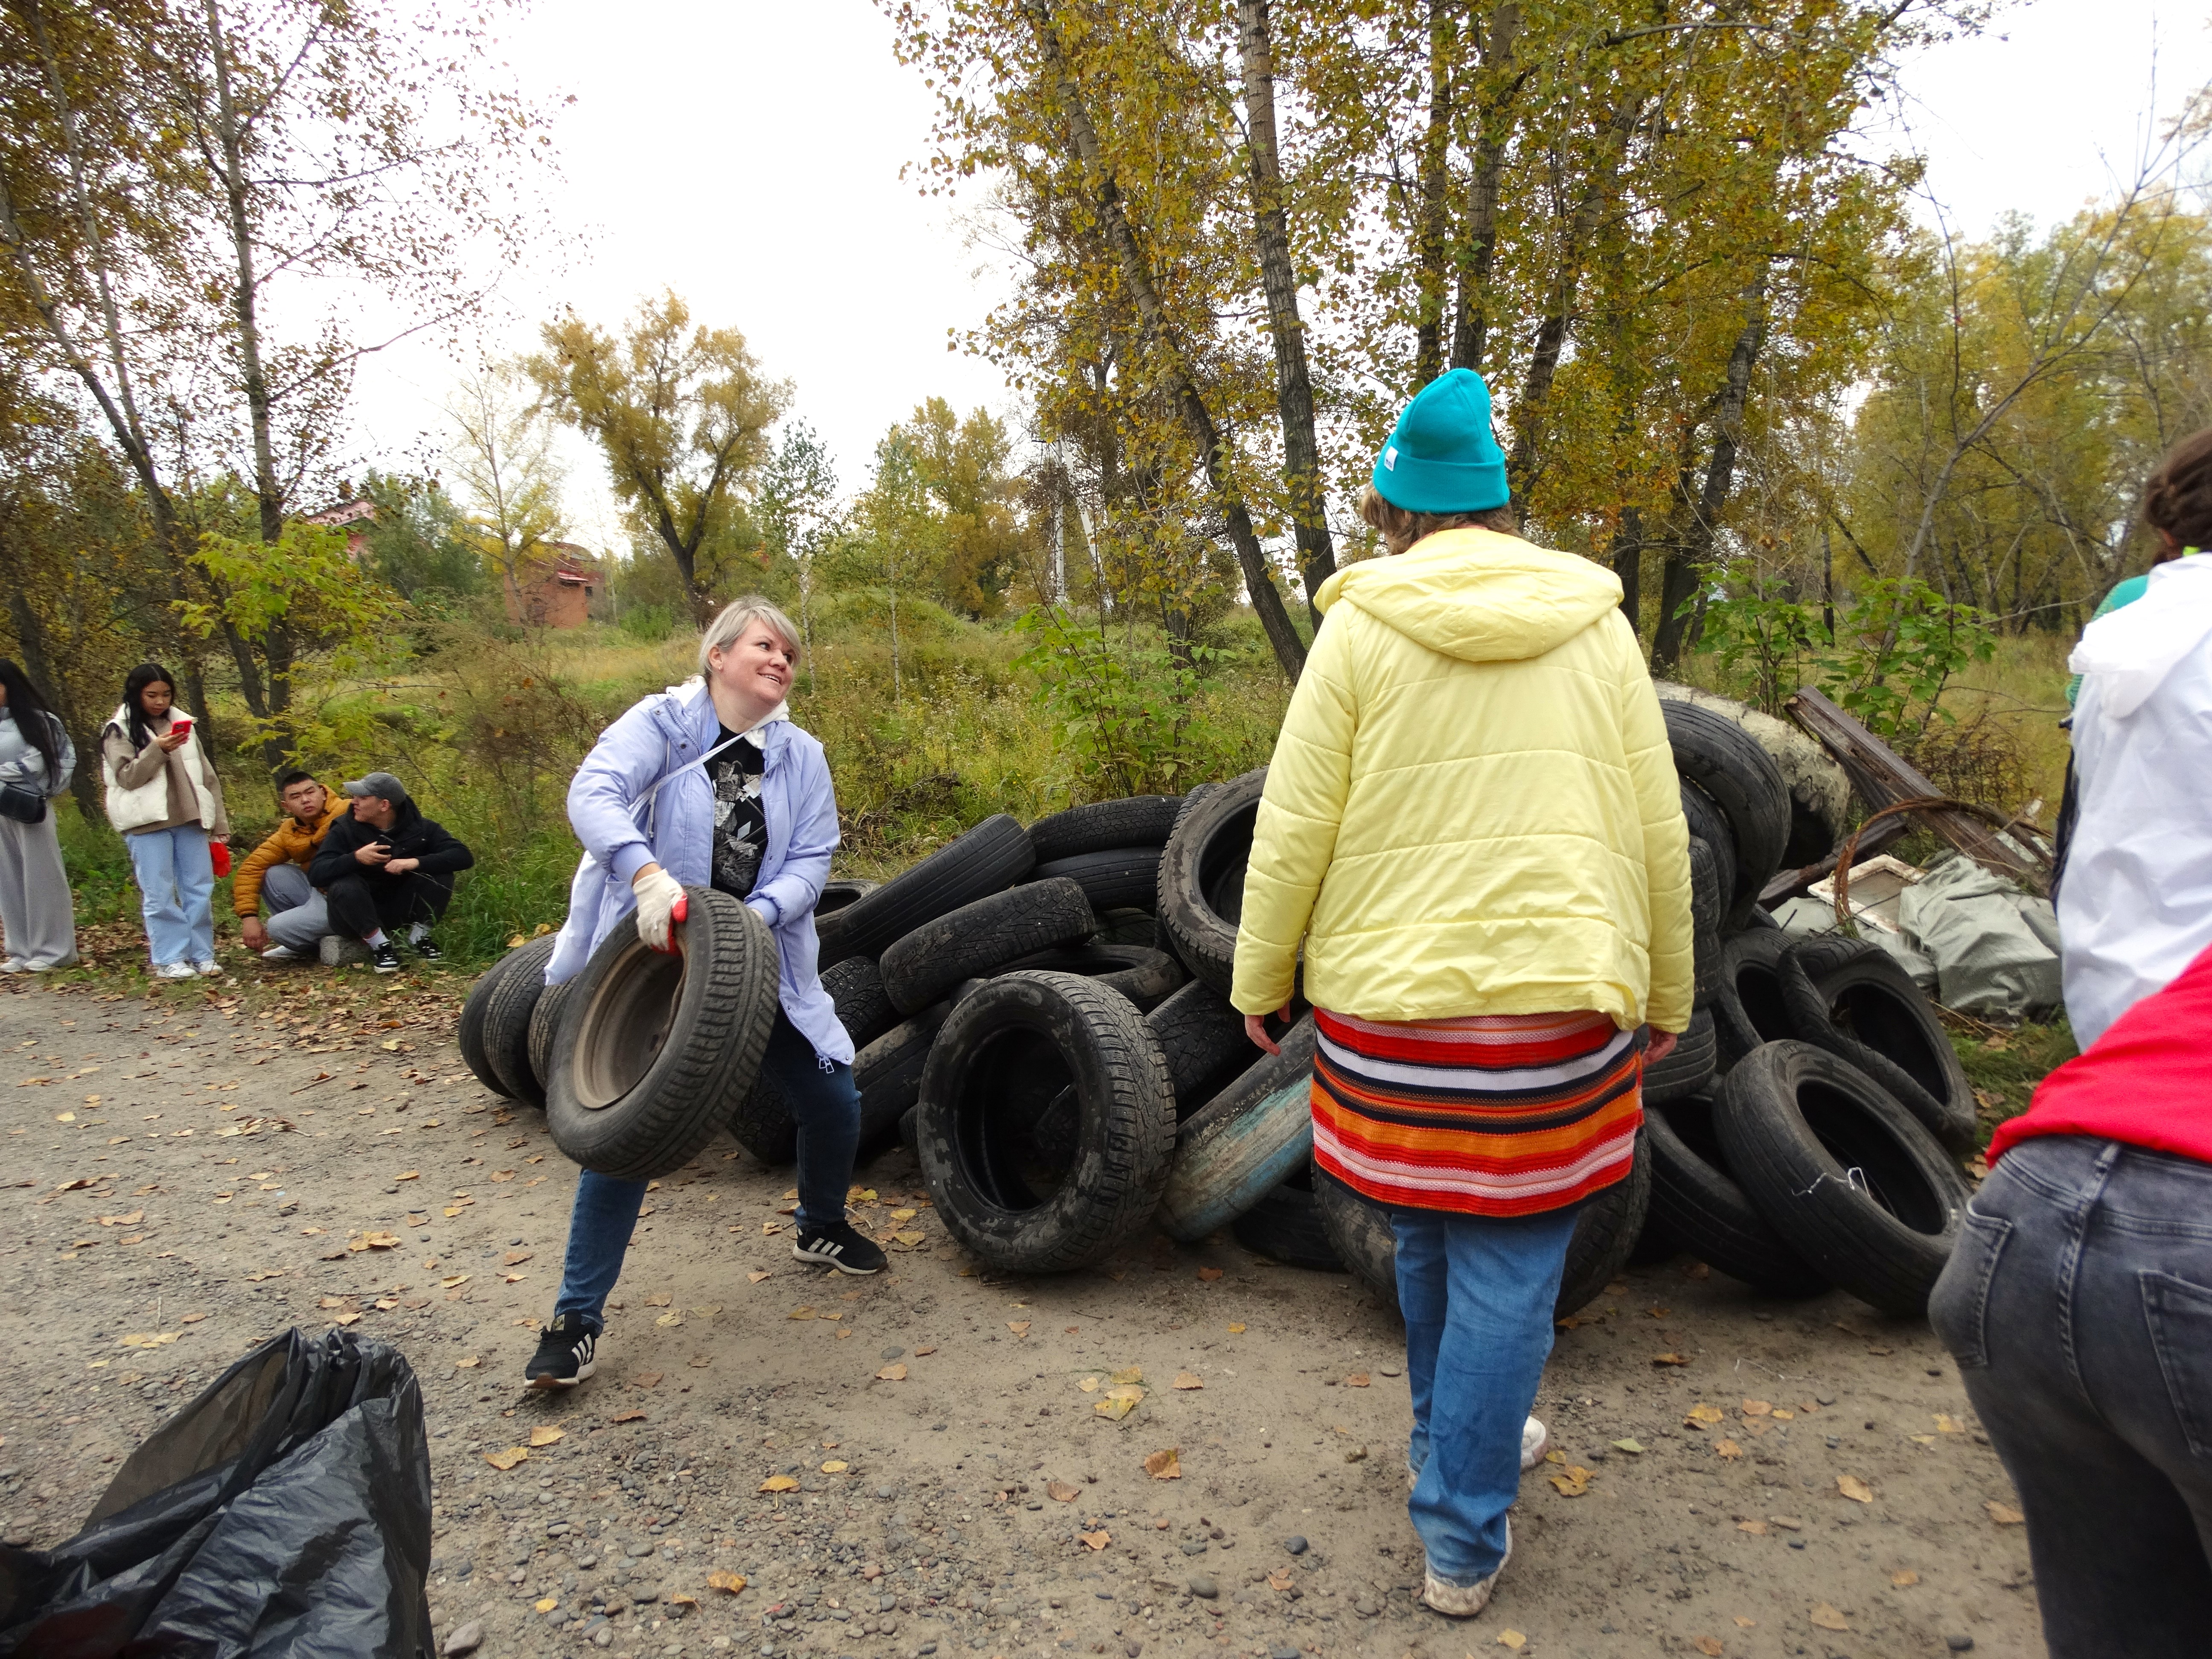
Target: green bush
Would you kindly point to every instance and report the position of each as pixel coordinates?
(649, 622)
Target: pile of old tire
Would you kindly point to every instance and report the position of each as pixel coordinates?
(1827, 1154)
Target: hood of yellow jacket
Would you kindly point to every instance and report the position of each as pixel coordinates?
(1478, 595)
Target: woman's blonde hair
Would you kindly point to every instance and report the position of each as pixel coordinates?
(737, 616)
(1401, 529)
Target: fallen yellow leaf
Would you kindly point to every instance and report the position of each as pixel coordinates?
(1512, 1638)
(1127, 1374)
(2004, 1514)
(1708, 1645)
(731, 1582)
(1119, 1402)
(1164, 1465)
(1828, 1618)
(547, 1436)
(1572, 1481)
(1727, 1449)
(755, 1277)
(470, 1364)
(892, 1373)
(1946, 1424)
(1855, 1489)
(779, 1483)
(1236, 1330)
(546, 1604)
(508, 1459)
(1701, 1416)
(1904, 1578)
(1756, 1407)
(1187, 1380)
(1669, 1359)
(1061, 1492)
(1089, 1384)
(836, 1466)
(1756, 1528)
(800, 1313)
(1018, 1327)
(1096, 1540)
(1356, 1380)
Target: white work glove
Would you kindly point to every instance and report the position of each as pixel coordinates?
(660, 900)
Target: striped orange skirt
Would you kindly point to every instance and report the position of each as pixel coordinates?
(1498, 1114)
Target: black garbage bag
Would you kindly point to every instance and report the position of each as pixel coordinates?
(286, 1510)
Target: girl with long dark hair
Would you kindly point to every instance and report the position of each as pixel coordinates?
(36, 761)
(164, 799)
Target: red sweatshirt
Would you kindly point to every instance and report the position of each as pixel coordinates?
(2147, 1081)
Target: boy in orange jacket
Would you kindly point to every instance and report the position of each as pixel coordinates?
(278, 870)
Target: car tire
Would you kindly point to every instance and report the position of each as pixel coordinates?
(1697, 1206)
(889, 1073)
(1203, 1040)
(507, 1020)
(1243, 1142)
(1360, 1233)
(659, 1048)
(1710, 824)
(1202, 883)
(864, 1007)
(470, 1033)
(1863, 1007)
(1689, 1068)
(1748, 1008)
(1708, 901)
(986, 859)
(983, 937)
(1016, 1045)
(1286, 1226)
(1121, 879)
(545, 1032)
(1101, 826)
(1720, 758)
(1847, 1175)
(1606, 1228)
(764, 1124)
(1146, 977)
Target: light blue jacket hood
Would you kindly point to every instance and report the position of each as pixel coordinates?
(663, 737)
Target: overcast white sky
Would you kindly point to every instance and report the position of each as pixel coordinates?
(748, 155)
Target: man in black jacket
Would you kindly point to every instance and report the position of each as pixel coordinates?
(387, 866)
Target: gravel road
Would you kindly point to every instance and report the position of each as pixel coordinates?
(917, 1463)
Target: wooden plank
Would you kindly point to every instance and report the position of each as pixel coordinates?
(1792, 884)
(1881, 778)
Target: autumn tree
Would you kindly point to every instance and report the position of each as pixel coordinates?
(502, 458)
(680, 414)
(171, 169)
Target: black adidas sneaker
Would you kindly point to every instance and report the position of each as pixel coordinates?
(838, 1246)
(564, 1354)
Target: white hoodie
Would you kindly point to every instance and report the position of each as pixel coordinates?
(2135, 907)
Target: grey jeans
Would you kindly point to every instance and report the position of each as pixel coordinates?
(298, 919)
(2079, 1306)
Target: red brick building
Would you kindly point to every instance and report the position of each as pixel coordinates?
(555, 587)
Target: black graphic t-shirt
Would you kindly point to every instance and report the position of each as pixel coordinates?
(740, 821)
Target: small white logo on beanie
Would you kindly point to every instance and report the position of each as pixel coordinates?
(1390, 458)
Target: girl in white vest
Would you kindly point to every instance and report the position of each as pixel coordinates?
(163, 796)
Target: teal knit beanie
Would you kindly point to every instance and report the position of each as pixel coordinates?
(1442, 456)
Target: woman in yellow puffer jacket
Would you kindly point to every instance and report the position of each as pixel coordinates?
(1473, 825)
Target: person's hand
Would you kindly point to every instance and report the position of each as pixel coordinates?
(1661, 1045)
(254, 933)
(376, 853)
(175, 737)
(661, 904)
(400, 866)
(1255, 1027)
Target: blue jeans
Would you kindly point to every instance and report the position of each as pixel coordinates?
(827, 1106)
(176, 887)
(2079, 1306)
(1477, 1294)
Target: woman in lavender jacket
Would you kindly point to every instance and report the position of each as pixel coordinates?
(709, 783)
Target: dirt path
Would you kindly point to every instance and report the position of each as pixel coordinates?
(163, 1218)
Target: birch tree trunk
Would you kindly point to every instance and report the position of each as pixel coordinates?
(1294, 399)
(1190, 402)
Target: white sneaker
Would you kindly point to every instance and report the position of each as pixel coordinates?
(208, 969)
(10, 965)
(282, 953)
(176, 971)
(1464, 1600)
(1536, 1441)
